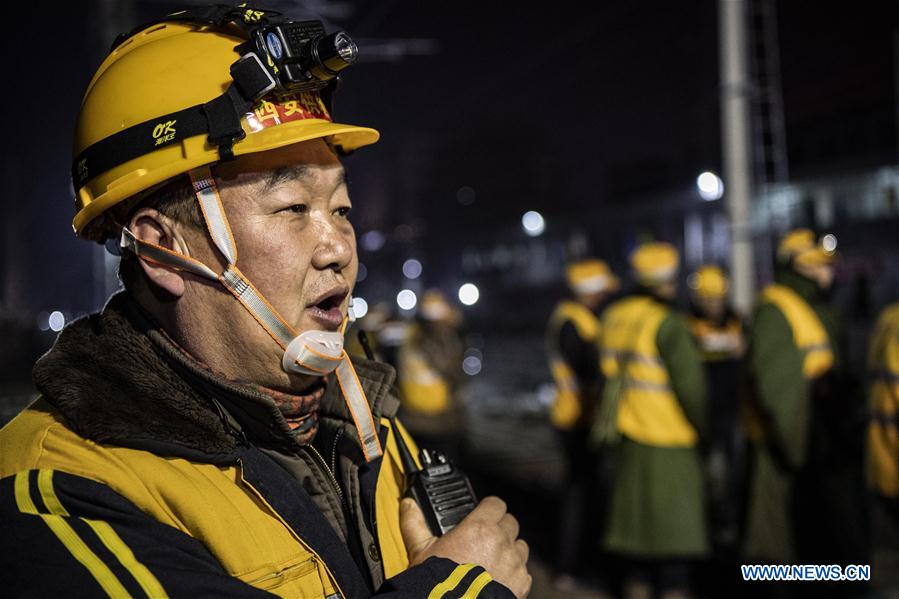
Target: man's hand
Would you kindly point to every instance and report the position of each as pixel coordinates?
(488, 537)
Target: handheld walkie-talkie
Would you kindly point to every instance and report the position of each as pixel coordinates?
(440, 489)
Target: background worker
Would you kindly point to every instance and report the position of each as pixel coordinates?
(429, 369)
(718, 331)
(883, 429)
(572, 347)
(805, 419)
(654, 373)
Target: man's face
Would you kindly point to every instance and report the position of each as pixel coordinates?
(822, 274)
(288, 210)
(711, 307)
(592, 300)
(667, 290)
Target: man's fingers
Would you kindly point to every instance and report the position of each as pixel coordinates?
(490, 509)
(416, 534)
(523, 550)
(509, 525)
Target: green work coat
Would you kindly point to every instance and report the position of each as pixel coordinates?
(658, 507)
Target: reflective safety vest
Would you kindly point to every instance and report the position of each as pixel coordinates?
(808, 332)
(422, 388)
(883, 430)
(568, 405)
(717, 342)
(648, 409)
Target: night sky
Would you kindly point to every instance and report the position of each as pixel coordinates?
(575, 109)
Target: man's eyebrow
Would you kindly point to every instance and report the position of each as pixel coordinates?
(285, 174)
(293, 172)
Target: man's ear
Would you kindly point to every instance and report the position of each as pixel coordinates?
(151, 226)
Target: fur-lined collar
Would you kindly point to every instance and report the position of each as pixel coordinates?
(117, 378)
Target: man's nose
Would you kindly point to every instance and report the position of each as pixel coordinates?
(334, 246)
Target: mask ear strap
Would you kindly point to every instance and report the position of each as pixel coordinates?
(359, 409)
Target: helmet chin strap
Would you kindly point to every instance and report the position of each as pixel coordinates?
(317, 353)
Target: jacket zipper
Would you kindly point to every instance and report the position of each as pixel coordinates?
(324, 465)
(334, 449)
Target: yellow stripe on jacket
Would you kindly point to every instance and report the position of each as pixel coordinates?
(809, 334)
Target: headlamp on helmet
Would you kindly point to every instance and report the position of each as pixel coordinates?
(300, 55)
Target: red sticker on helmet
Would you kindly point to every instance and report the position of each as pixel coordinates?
(276, 111)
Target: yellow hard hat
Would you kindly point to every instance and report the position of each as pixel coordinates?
(801, 246)
(149, 85)
(655, 262)
(708, 282)
(590, 276)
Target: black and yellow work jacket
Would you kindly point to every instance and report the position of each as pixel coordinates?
(140, 473)
(883, 429)
(572, 347)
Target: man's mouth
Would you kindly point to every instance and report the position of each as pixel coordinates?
(327, 308)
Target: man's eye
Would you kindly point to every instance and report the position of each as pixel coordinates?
(298, 208)
(344, 211)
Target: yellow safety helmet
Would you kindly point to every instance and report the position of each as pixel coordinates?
(148, 97)
(590, 275)
(801, 246)
(708, 282)
(655, 263)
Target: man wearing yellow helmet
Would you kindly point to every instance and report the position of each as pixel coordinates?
(804, 423)
(572, 346)
(429, 372)
(654, 406)
(206, 434)
(718, 332)
(883, 429)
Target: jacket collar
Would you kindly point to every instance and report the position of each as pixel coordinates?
(117, 378)
(805, 287)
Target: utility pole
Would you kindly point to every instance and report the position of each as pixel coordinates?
(735, 132)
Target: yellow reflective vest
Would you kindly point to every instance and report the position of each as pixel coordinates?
(568, 405)
(648, 410)
(809, 334)
(423, 389)
(883, 431)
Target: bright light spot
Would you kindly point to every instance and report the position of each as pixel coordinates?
(465, 195)
(546, 394)
(43, 321)
(360, 307)
(829, 243)
(411, 268)
(56, 321)
(471, 365)
(406, 299)
(710, 186)
(469, 294)
(373, 241)
(533, 224)
(362, 273)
